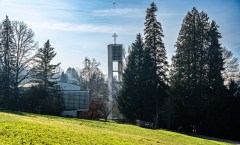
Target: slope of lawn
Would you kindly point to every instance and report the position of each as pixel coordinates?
(24, 128)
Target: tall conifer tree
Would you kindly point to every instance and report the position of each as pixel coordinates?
(215, 58)
(196, 69)
(156, 65)
(45, 74)
(130, 100)
(7, 60)
(45, 71)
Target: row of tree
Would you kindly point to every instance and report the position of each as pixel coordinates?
(21, 63)
(27, 76)
(190, 95)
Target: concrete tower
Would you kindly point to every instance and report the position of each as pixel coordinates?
(115, 54)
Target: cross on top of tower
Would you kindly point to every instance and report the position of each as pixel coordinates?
(114, 36)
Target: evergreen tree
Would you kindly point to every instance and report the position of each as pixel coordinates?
(45, 71)
(186, 65)
(131, 99)
(196, 70)
(215, 59)
(7, 61)
(215, 86)
(17, 45)
(155, 62)
(190, 59)
(46, 75)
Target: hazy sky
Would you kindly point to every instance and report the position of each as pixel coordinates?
(80, 28)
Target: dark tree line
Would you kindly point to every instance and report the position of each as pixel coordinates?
(197, 65)
(21, 63)
(197, 93)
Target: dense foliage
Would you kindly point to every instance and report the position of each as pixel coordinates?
(196, 71)
(131, 97)
(202, 95)
(144, 82)
(197, 83)
(7, 59)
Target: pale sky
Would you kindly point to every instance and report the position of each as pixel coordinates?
(83, 28)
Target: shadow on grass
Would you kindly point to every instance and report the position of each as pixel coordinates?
(214, 138)
(17, 113)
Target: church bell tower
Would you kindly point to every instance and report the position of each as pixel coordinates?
(115, 54)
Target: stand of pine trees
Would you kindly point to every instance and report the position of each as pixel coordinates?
(145, 78)
(194, 95)
(197, 84)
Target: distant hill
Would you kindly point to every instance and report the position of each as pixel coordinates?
(24, 128)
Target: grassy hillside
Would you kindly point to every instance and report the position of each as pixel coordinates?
(23, 128)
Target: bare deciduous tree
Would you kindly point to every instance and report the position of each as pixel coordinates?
(231, 66)
(93, 79)
(25, 47)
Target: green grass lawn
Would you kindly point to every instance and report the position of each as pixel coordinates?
(24, 128)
